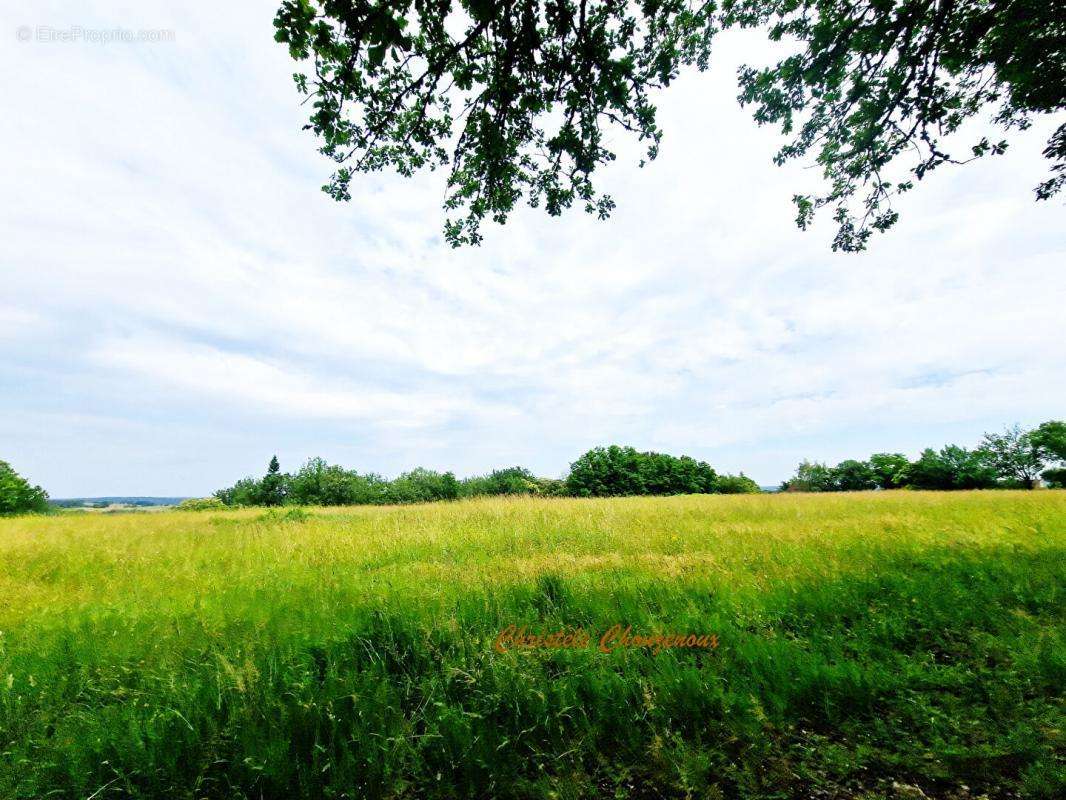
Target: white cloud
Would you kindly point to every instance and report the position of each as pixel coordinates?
(169, 261)
(19, 323)
(255, 384)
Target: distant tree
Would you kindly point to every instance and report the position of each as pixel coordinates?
(272, 487)
(852, 476)
(512, 480)
(423, 486)
(1055, 478)
(606, 472)
(17, 495)
(930, 471)
(371, 488)
(952, 467)
(270, 490)
(1015, 456)
(1050, 438)
(245, 492)
(317, 483)
(664, 474)
(736, 484)
(307, 485)
(551, 487)
(619, 471)
(320, 483)
(890, 470)
(810, 477)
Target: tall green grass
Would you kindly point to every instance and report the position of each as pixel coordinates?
(864, 640)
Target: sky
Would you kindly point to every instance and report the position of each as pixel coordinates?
(179, 300)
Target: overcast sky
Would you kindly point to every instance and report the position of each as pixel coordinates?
(179, 300)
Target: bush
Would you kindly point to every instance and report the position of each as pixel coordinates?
(201, 504)
(551, 487)
(17, 496)
(513, 480)
(736, 484)
(289, 515)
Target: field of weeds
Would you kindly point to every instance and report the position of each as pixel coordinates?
(867, 645)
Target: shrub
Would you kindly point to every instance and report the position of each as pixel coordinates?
(551, 487)
(275, 515)
(736, 484)
(512, 480)
(201, 504)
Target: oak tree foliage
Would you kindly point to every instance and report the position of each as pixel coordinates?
(513, 98)
(876, 86)
(516, 99)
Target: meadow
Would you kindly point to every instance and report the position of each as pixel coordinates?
(876, 644)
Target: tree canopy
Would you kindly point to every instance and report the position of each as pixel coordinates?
(877, 80)
(515, 98)
(18, 495)
(617, 471)
(1015, 455)
(1050, 439)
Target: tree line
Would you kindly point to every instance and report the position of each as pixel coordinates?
(601, 472)
(1016, 458)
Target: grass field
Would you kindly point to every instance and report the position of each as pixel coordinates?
(864, 640)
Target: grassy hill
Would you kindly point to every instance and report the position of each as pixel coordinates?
(869, 645)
